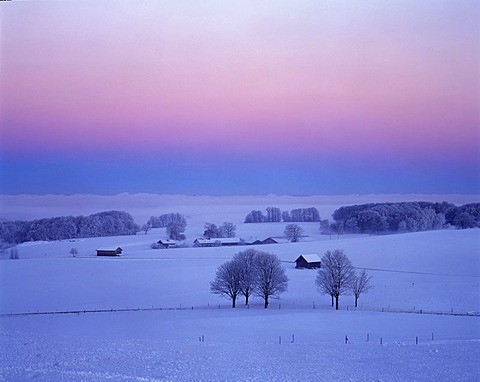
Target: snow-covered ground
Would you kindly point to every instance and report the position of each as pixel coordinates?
(161, 307)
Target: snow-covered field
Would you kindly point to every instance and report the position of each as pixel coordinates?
(157, 306)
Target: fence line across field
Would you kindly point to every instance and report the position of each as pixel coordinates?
(272, 306)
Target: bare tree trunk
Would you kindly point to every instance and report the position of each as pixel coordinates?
(266, 301)
(336, 302)
(234, 299)
(356, 301)
(332, 298)
(246, 297)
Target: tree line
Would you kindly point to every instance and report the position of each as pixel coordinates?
(253, 272)
(402, 217)
(108, 223)
(275, 215)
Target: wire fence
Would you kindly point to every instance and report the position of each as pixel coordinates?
(257, 306)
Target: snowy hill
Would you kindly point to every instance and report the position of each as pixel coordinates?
(157, 307)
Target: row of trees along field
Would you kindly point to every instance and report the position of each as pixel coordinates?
(253, 272)
(109, 223)
(275, 215)
(402, 217)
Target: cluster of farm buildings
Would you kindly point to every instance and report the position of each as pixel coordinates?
(311, 261)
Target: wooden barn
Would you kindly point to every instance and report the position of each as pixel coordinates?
(165, 244)
(109, 252)
(308, 261)
(270, 240)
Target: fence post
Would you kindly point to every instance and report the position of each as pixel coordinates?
(381, 341)
(279, 340)
(416, 340)
(368, 337)
(432, 336)
(293, 338)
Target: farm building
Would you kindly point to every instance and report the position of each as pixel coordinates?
(254, 242)
(308, 261)
(164, 244)
(109, 252)
(217, 242)
(270, 240)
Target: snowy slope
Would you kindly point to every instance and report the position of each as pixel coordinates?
(432, 272)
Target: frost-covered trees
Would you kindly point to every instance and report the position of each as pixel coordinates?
(246, 267)
(336, 275)
(227, 281)
(399, 217)
(255, 217)
(250, 272)
(271, 279)
(212, 231)
(361, 283)
(109, 223)
(275, 215)
(176, 229)
(293, 232)
(228, 229)
(164, 220)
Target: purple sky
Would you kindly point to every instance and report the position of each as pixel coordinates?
(297, 97)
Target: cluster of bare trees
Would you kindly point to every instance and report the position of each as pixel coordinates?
(212, 231)
(253, 272)
(275, 215)
(337, 276)
(250, 272)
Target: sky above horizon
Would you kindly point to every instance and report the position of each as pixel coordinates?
(304, 97)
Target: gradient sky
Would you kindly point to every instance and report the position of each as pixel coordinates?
(240, 97)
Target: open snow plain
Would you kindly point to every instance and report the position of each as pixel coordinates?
(159, 321)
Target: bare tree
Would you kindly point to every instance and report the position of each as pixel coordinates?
(74, 252)
(146, 227)
(336, 275)
(246, 264)
(271, 279)
(227, 281)
(228, 229)
(293, 232)
(361, 284)
(14, 253)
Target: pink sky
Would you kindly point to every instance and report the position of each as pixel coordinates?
(368, 81)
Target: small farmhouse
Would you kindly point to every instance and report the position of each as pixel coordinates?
(109, 252)
(270, 240)
(217, 242)
(308, 261)
(164, 244)
(254, 242)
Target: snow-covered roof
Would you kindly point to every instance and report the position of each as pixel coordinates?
(218, 239)
(165, 241)
(312, 258)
